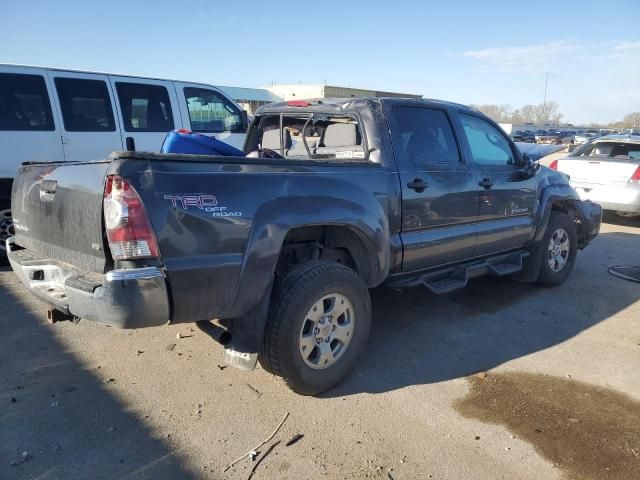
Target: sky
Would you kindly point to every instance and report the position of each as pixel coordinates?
(472, 52)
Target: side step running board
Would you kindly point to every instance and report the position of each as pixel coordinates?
(454, 278)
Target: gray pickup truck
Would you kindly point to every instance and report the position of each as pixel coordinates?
(273, 253)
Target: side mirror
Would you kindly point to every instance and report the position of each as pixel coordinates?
(244, 116)
(529, 169)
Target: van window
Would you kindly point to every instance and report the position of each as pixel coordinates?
(85, 105)
(24, 103)
(210, 112)
(145, 108)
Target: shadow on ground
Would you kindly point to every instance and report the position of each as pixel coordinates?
(62, 414)
(420, 338)
(615, 219)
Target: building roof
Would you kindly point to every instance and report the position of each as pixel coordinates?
(340, 91)
(256, 94)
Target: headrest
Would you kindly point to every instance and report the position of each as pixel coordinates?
(341, 135)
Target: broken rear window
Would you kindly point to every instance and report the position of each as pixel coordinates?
(307, 137)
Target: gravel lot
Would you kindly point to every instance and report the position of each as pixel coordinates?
(87, 401)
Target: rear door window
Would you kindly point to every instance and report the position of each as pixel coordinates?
(425, 136)
(145, 108)
(210, 112)
(85, 105)
(24, 103)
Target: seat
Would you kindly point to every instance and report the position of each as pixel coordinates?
(299, 149)
(340, 137)
(271, 139)
(156, 120)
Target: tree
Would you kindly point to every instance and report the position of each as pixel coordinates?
(539, 114)
(632, 120)
(498, 113)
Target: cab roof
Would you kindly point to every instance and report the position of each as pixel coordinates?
(344, 105)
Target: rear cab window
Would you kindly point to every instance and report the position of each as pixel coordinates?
(211, 112)
(24, 103)
(307, 136)
(145, 107)
(85, 105)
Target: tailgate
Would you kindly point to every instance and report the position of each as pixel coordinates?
(57, 212)
(593, 171)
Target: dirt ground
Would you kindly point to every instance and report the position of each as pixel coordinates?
(560, 397)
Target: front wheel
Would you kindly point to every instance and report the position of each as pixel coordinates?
(319, 323)
(559, 249)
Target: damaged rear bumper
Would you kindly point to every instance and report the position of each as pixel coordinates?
(127, 298)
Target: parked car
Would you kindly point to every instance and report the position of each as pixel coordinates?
(550, 136)
(334, 197)
(584, 137)
(567, 137)
(607, 171)
(525, 136)
(54, 114)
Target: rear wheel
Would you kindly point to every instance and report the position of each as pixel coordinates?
(318, 325)
(559, 249)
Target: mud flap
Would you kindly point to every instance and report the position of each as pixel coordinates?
(247, 335)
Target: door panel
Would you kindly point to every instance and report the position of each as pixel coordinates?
(148, 110)
(90, 128)
(506, 201)
(439, 190)
(438, 224)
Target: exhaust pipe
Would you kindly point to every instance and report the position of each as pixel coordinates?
(54, 316)
(219, 334)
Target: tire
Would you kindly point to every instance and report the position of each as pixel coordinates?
(293, 326)
(559, 222)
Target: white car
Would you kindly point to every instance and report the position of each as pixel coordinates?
(606, 170)
(582, 138)
(49, 114)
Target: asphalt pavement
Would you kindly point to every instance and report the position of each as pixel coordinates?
(500, 380)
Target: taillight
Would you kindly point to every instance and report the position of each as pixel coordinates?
(635, 178)
(126, 223)
(554, 165)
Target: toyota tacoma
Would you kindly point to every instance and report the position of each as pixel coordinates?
(274, 252)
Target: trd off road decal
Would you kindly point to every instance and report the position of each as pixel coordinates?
(200, 201)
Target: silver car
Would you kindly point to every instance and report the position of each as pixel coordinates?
(606, 170)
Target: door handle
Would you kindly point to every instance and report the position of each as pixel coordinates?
(417, 184)
(486, 182)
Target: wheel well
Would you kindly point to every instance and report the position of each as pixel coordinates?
(568, 207)
(338, 244)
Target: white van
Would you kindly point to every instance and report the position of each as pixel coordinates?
(50, 114)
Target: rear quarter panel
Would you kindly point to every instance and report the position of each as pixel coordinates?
(220, 254)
